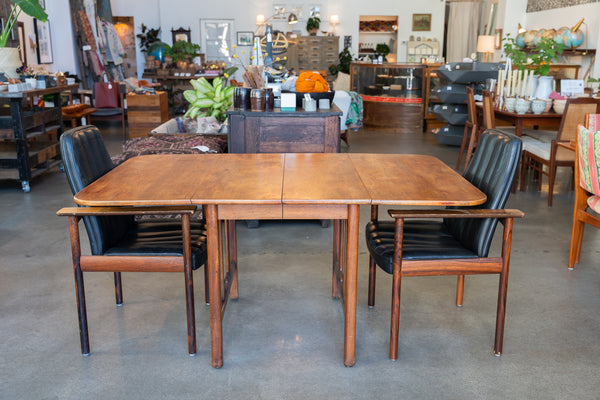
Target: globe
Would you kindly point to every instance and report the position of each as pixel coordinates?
(560, 34)
(520, 40)
(529, 36)
(537, 38)
(550, 34)
(573, 39)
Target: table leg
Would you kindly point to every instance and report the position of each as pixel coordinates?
(214, 274)
(350, 289)
(232, 257)
(519, 127)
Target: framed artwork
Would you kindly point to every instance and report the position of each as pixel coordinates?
(43, 42)
(22, 42)
(421, 22)
(245, 38)
(181, 34)
(498, 38)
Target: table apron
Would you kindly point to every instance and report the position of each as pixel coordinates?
(315, 211)
(249, 211)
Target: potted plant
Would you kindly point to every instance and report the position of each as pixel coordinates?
(147, 37)
(312, 25)
(10, 58)
(546, 51)
(209, 100)
(383, 50)
(513, 51)
(345, 58)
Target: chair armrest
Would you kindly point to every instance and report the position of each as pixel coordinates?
(457, 213)
(112, 211)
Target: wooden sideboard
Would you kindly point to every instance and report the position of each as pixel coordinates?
(284, 132)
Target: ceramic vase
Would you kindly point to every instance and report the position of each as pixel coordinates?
(544, 87)
(10, 60)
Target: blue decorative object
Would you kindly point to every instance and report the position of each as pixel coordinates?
(157, 50)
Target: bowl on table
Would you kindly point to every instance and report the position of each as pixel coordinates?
(559, 106)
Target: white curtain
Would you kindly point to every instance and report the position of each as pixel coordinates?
(463, 27)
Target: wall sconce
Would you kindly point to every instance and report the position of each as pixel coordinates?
(486, 44)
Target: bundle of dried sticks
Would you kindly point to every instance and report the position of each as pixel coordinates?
(253, 76)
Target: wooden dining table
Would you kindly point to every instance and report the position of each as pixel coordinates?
(231, 187)
(550, 120)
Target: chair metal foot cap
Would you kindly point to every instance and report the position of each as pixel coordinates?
(571, 268)
(119, 304)
(459, 305)
(192, 354)
(85, 354)
(497, 354)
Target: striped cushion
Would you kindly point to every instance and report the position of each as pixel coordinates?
(594, 203)
(588, 146)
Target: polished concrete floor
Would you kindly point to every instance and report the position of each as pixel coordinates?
(284, 336)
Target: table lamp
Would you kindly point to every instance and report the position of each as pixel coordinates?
(334, 20)
(486, 44)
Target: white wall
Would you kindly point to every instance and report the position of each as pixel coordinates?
(515, 12)
(61, 35)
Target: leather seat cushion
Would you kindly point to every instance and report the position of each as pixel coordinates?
(423, 240)
(106, 112)
(161, 238)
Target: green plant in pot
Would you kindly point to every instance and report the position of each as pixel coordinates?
(147, 37)
(209, 100)
(383, 50)
(183, 49)
(312, 25)
(514, 52)
(345, 59)
(10, 58)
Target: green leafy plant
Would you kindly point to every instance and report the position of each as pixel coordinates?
(382, 49)
(29, 7)
(345, 59)
(546, 51)
(209, 100)
(514, 52)
(147, 37)
(181, 48)
(313, 23)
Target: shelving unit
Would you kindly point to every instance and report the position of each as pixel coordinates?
(29, 135)
(375, 29)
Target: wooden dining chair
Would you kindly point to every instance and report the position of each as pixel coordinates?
(119, 242)
(587, 184)
(457, 245)
(545, 157)
(471, 128)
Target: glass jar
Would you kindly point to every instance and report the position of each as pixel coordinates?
(257, 99)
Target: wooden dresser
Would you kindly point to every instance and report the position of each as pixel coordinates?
(317, 52)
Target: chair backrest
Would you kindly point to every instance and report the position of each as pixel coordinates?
(85, 159)
(574, 114)
(471, 107)
(492, 170)
(489, 118)
(588, 151)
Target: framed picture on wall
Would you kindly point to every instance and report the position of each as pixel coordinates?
(498, 38)
(181, 34)
(421, 22)
(245, 38)
(43, 42)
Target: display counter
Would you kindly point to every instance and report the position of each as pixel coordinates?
(392, 95)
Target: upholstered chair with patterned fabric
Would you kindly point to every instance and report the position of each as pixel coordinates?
(587, 191)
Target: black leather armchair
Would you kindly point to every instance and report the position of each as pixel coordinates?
(457, 245)
(120, 243)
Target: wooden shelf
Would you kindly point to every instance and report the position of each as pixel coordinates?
(568, 52)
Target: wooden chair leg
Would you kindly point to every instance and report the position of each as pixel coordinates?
(396, 288)
(79, 286)
(463, 145)
(576, 239)
(503, 286)
(471, 148)
(460, 286)
(189, 284)
(232, 258)
(551, 178)
(118, 289)
(337, 250)
(206, 293)
(372, 277)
